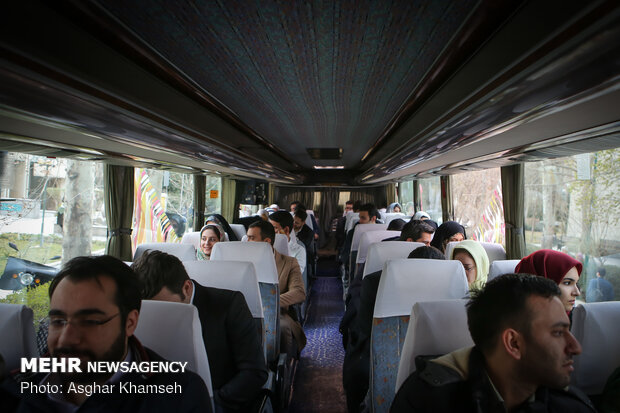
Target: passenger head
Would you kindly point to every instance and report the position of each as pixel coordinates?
(263, 214)
(426, 252)
(421, 215)
(520, 320)
(475, 262)
(282, 222)
(209, 236)
(561, 268)
(396, 224)
(94, 309)
(394, 207)
(417, 232)
(163, 277)
(299, 219)
(449, 231)
(368, 214)
(178, 223)
(261, 231)
(348, 206)
(356, 206)
(294, 205)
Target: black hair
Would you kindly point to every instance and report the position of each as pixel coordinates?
(78, 269)
(301, 214)
(502, 303)
(426, 252)
(157, 270)
(414, 230)
(396, 224)
(266, 229)
(349, 202)
(371, 209)
(602, 271)
(284, 218)
(357, 205)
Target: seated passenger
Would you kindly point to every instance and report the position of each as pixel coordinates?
(94, 311)
(368, 215)
(233, 345)
(394, 207)
(421, 215)
(282, 222)
(449, 231)
(221, 221)
(396, 224)
(417, 231)
(304, 234)
(292, 290)
(557, 266)
(475, 261)
(356, 366)
(209, 236)
(521, 361)
(599, 289)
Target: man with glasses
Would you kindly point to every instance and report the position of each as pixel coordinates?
(94, 311)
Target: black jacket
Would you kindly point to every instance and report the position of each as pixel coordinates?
(193, 397)
(437, 388)
(236, 359)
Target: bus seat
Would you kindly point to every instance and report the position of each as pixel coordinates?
(368, 238)
(390, 216)
(261, 255)
(173, 331)
(192, 238)
(595, 326)
(494, 251)
(184, 252)
(350, 220)
(355, 242)
(309, 218)
(18, 338)
(501, 267)
(380, 252)
(280, 244)
(403, 283)
(239, 230)
(435, 328)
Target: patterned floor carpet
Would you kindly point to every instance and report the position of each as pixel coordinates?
(318, 382)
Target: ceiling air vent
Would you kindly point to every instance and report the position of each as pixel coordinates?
(325, 153)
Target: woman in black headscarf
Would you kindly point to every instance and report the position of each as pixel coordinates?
(449, 231)
(221, 221)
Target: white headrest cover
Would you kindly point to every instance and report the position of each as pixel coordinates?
(238, 229)
(259, 253)
(351, 219)
(501, 267)
(191, 238)
(173, 331)
(17, 332)
(370, 237)
(494, 251)
(309, 219)
(435, 328)
(596, 327)
(281, 244)
(184, 252)
(404, 282)
(396, 215)
(380, 252)
(229, 275)
(362, 228)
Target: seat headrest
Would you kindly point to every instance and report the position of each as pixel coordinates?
(18, 337)
(352, 218)
(229, 275)
(435, 328)
(184, 252)
(362, 228)
(280, 244)
(238, 229)
(501, 267)
(192, 238)
(173, 330)
(494, 251)
(595, 326)
(380, 252)
(396, 215)
(370, 237)
(404, 282)
(259, 253)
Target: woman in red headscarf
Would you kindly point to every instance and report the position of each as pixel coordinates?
(557, 266)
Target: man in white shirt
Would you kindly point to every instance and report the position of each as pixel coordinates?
(282, 223)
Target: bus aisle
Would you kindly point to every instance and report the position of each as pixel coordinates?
(318, 380)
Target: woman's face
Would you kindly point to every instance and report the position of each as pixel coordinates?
(570, 290)
(208, 239)
(396, 208)
(468, 264)
(458, 237)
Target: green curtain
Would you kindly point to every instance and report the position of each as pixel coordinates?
(390, 194)
(200, 203)
(271, 194)
(373, 195)
(512, 198)
(229, 205)
(417, 202)
(284, 195)
(119, 200)
(447, 207)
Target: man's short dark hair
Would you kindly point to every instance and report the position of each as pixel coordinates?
(266, 229)
(502, 303)
(371, 209)
(426, 252)
(349, 202)
(602, 272)
(301, 214)
(284, 218)
(396, 224)
(414, 230)
(356, 206)
(157, 270)
(296, 203)
(127, 297)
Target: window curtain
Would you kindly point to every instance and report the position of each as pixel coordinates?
(417, 205)
(119, 200)
(373, 195)
(200, 194)
(447, 207)
(284, 195)
(512, 198)
(271, 194)
(390, 194)
(230, 206)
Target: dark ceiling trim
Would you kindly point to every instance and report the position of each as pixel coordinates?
(97, 22)
(482, 23)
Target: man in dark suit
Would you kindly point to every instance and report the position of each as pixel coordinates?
(231, 339)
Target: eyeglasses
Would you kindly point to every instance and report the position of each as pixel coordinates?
(83, 323)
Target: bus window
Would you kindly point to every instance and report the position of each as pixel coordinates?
(572, 204)
(477, 198)
(430, 198)
(405, 197)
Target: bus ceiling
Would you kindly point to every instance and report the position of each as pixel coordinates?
(382, 91)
